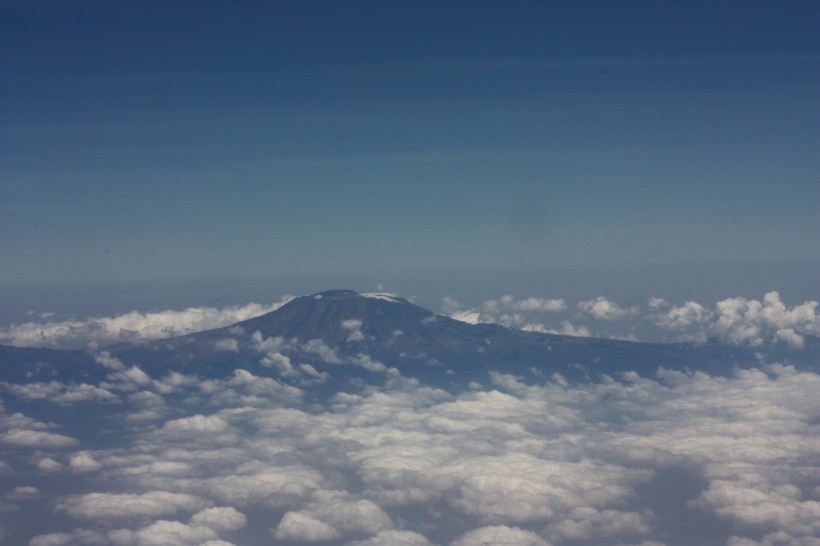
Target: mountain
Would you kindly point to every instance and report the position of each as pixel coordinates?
(343, 332)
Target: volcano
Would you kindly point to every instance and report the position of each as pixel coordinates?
(344, 332)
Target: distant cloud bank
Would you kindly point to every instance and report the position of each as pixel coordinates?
(131, 327)
(738, 321)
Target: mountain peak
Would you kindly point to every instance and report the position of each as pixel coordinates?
(333, 294)
(342, 315)
(348, 294)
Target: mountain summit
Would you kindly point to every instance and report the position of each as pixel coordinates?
(339, 327)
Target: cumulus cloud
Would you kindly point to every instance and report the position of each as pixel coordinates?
(83, 462)
(394, 538)
(354, 326)
(300, 527)
(751, 322)
(227, 344)
(499, 535)
(133, 326)
(35, 438)
(113, 506)
(220, 518)
(736, 321)
(601, 308)
(739, 321)
(502, 310)
(60, 393)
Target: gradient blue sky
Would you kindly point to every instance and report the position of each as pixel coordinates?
(149, 140)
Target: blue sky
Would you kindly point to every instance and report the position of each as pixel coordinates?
(151, 140)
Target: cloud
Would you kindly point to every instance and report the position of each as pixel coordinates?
(300, 527)
(113, 506)
(499, 535)
(60, 393)
(35, 438)
(739, 321)
(601, 308)
(83, 462)
(77, 536)
(394, 538)
(354, 326)
(540, 304)
(52, 539)
(751, 322)
(735, 321)
(502, 310)
(227, 344)
(512, 460)
(162, 533)
(220, 518)
(133, 326)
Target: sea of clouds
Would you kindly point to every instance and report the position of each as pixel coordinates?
(678, 458)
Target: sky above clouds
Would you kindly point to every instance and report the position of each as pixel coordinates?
(152, 140)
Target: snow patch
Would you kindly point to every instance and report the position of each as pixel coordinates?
(395, 298)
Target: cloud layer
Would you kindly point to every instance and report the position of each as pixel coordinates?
(133, 326)
(737, 321)
(513, 460)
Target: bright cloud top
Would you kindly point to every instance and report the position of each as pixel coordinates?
(738, 321)
(133, 326)
(512, 461)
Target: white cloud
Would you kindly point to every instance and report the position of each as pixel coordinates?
(83, 537)
(105, 359)
(450, 305)
(737, 321)
(35, 438)
(751, 322)
(470, 317)
(301, 527)
(321, 349)
(499, 535)
(163, 533)
(526, 462)
(584, 523)
(49, 465)
(113, 506)
(601, 308)
(227, 344)
(504, 310)
(220, 519)
(394, 538)
(540, 304)
(354, 326)
(52, 539)
(346, 514)
(83, 462)
(568, 329)
(60, 393)
(133, 326)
